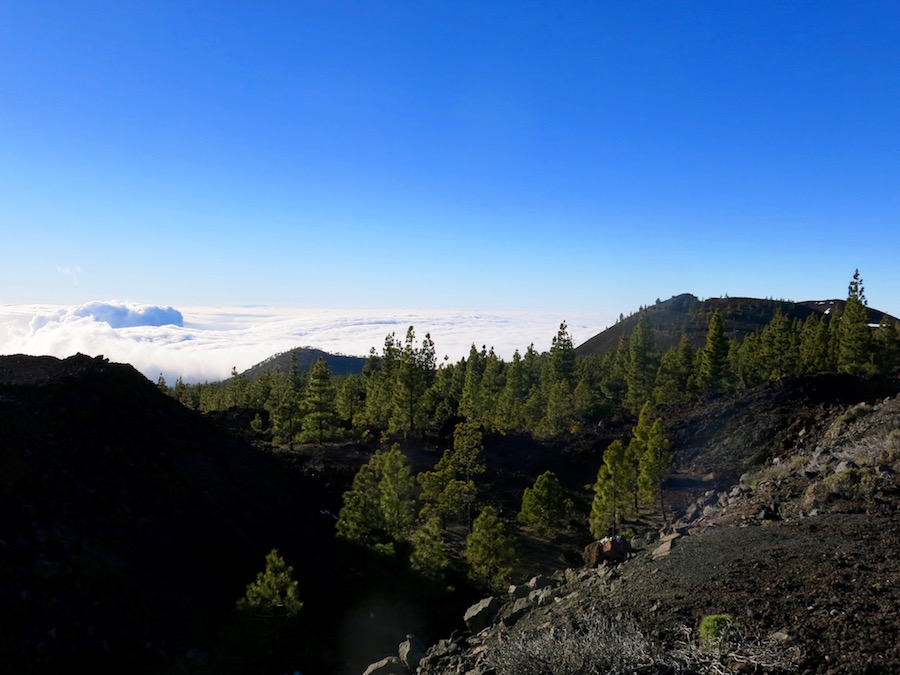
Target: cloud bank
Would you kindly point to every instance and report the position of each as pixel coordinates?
(205, 343)
(116, 314)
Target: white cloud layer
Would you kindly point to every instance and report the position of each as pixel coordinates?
(204, 343)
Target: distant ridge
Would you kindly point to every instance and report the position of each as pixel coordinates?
(338, 364)
(688, 314)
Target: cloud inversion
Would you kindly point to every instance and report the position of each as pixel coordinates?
(204, 343)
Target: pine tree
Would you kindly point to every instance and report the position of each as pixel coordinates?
(814, 347)
(780, 346)
(558, 419)
(319, 421)
(381, 374)
(235, 389)
(655, 460)
(714, 357)
(511, 400)
(470, 402)
(274, 593)
(545, 506)
(380, 506)
(673, 376)
(442, 495)
(641, 367)
(613, 383)
(360, 519)
(286, 418)
(561, 364)
(610, 492)
(414, 374)
(351, 399)
(854, 335)
(397, 494)
(492, 383)
(260, 638)
(887, 346)
(448, 490)
(467, 461)
(468, 444)
(489, 550)
(428, 556)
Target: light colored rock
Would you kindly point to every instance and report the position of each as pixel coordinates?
(387, 666)
(672, 536)
(411, 651)
(479, 615)
(664, 548)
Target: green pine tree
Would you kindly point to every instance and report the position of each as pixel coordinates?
(855, 353)
(559, 416)
(489, 550)
(319, 422)
(274, 592)
(561, 362)
(655, 460)
(714, 356)
(413, 375)
(286, 418)
(397, 494)
(641, 366)
(350, 402)
(887, 346)
(545, 506)
(610, 492)
(428, 556)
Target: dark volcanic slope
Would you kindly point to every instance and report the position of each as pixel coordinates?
(686, 314)
(338, 364)
(128, 524)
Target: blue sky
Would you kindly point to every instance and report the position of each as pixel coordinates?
(521, 156)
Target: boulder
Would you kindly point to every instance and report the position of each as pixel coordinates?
(542, 597)
(511, 614)
(479, 615)
(538, 582)
(609, 549)
(593, 554)
(520, 591)
(664, 548)
(411, 651)
(387, 666)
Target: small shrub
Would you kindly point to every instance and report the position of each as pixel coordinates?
(845, 419)
(714, 627)
(599, 643)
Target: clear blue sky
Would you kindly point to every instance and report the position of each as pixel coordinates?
(515, 155)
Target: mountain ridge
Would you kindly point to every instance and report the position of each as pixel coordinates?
(687, 314)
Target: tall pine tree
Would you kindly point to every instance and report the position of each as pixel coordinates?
(854, 335)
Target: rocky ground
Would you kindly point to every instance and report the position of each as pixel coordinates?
(801, 550)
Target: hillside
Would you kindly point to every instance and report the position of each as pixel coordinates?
(338, 364)
(130, 526)
(786, 502)
(687, 314)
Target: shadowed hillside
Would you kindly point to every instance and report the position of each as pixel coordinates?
(338, 364)
(687, 314)
(130, 526)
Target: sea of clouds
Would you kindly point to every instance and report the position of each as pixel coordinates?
(205, 343)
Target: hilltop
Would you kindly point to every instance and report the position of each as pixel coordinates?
(686, 314)
(305, 357)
